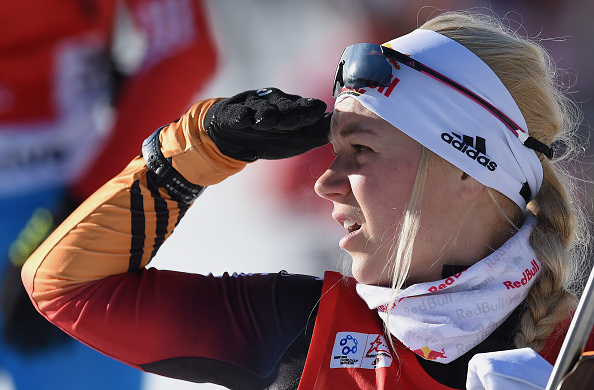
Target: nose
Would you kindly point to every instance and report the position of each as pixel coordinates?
(333, 184)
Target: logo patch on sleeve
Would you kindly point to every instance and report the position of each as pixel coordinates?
(360, 350)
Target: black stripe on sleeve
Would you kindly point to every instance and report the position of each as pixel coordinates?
(162, 214)
(183, 208)
(137, 227)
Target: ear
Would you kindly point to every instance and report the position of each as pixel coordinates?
(469, 188)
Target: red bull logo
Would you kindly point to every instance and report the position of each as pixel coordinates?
(430, 354)
(387, 307)
(447, 282)
(527, 275)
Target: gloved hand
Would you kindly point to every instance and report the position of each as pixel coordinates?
(267, 124)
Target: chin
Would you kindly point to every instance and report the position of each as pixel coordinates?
(366, 271)
(363, 274)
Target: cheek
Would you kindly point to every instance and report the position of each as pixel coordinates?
(397, 184)
(385, 196)
(383, 184)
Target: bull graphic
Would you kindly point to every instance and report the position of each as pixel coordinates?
(430, 354)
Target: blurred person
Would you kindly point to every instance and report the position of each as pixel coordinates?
(80, 81)
(460, 224)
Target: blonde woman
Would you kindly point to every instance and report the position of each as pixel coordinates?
(460, 224)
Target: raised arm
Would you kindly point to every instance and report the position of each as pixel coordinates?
(120, 227)
(89, 279)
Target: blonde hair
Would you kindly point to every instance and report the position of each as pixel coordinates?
(561, 237)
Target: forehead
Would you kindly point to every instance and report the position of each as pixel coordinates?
(350, 117)
(353, 106)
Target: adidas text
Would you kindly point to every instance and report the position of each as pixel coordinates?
(459, 144)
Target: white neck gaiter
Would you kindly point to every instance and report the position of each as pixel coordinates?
(443, 320)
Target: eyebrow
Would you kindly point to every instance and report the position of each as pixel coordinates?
(351, 129)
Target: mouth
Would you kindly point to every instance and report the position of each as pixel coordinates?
(350, 225)
(354, 229)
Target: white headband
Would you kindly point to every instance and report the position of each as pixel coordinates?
(451, 124)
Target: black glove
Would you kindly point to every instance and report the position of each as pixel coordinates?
(267, 124)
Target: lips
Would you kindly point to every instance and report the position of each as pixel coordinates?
(351, 223)
(350, 220)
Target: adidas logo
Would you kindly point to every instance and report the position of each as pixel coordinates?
(476, 149)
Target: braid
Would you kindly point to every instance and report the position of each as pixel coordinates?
(549, 300)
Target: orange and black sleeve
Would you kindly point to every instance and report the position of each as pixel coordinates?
(101, 249)
(90, 279)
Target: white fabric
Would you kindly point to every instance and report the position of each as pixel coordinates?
(443, 320)
(518, 369)
(433, 113)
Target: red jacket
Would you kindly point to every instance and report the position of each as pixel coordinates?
(349, 351)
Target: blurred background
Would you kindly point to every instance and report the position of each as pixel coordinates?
(125, 68)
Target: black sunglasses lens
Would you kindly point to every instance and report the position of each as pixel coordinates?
(362, 65)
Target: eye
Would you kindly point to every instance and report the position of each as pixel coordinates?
(360, 148)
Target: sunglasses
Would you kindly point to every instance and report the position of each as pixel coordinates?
(364, 65)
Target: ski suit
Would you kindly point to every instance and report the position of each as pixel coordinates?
(255, 331)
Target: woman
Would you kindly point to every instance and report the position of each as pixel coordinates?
(460, 226)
